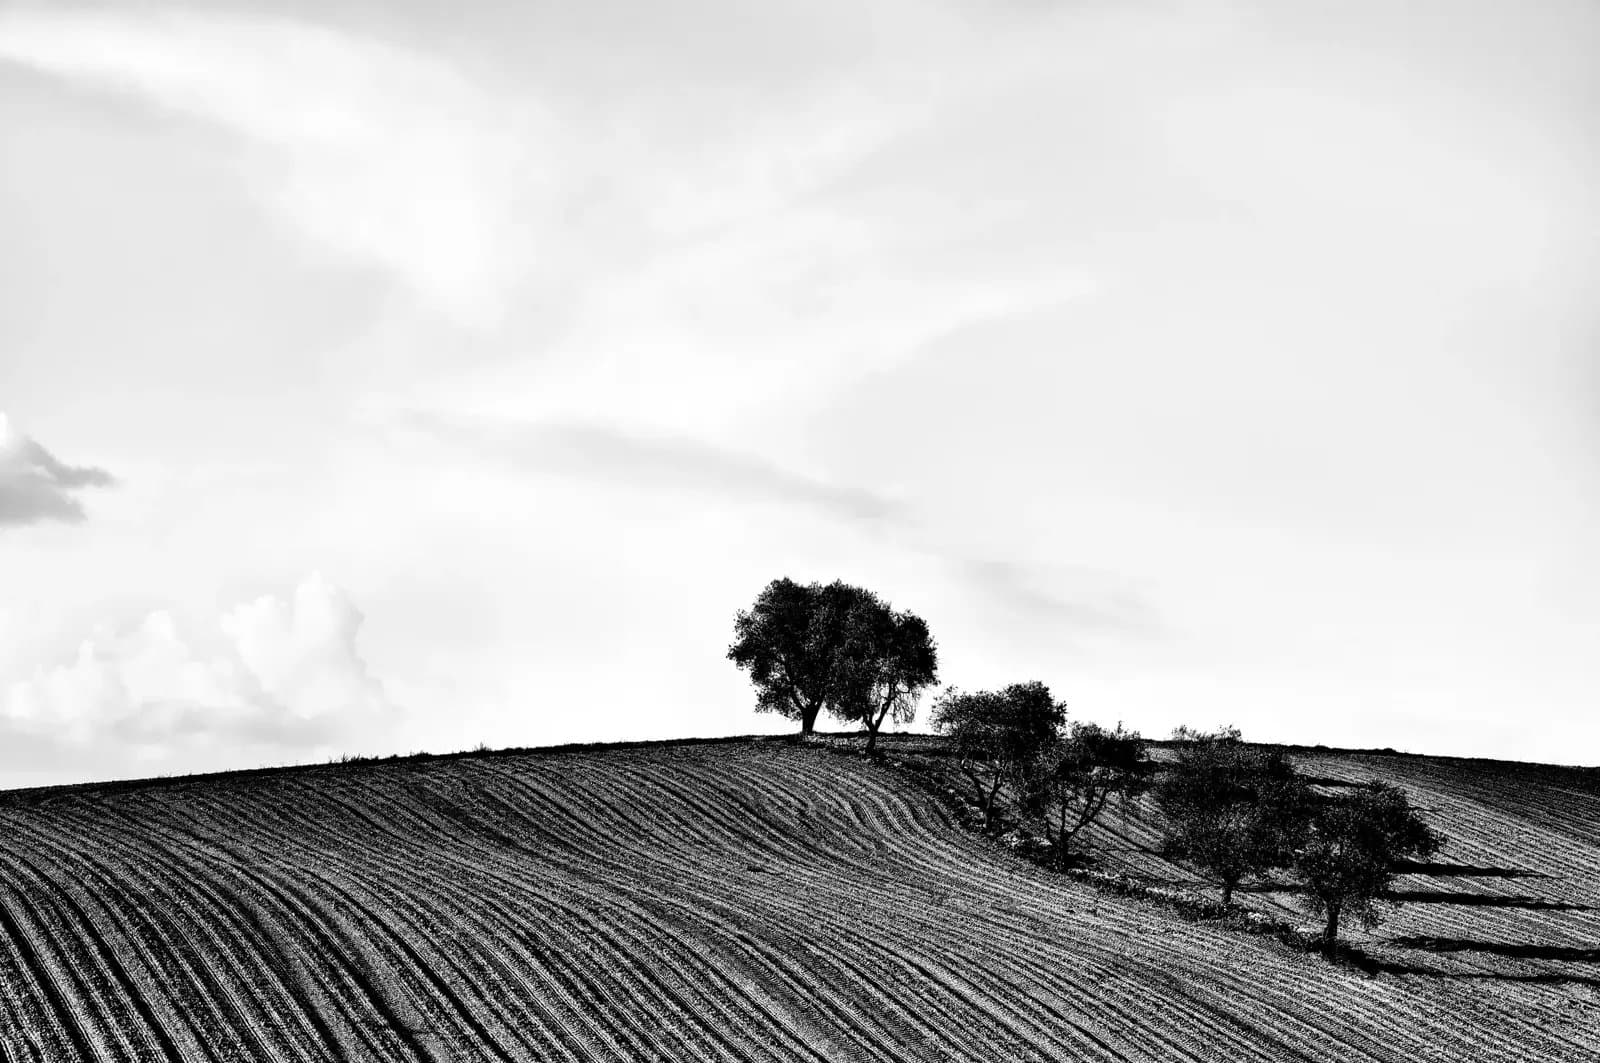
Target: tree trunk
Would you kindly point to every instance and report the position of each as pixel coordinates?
(988, 804)
(808, 720)
(1331, 934)
(1227, 892)
(874, 725)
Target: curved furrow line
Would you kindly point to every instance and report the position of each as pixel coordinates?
(683, 1012)
(354, 946)
(408, 909)
(20, 1010)
(269, 1011)
(589, 876)
(828, 982)
(505, 934)
(1024, 967)
(284, 955)
(1488, 815)
(640, 1030)
(57, 1008)
(1057, 1018)
(671, 1004)
(356, 992)
(286, 945)
(386, 959)
(689, 1011)
(285, 917)
(130, 899)
(208, 911)
(104, 1024)
(839, 952)
(734, 904)
(1505, 836)
(1570, 810)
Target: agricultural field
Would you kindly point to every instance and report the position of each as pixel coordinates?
(746, 900)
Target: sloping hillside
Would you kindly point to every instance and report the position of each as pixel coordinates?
(729, 901)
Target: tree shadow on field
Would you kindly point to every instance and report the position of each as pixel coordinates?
(1481, 900)
(1323, 780)
(1430, 867)
(1353, 956)
(1500, 948)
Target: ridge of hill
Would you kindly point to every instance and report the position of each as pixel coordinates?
(746, 899)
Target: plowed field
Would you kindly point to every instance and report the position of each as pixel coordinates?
(739, 901)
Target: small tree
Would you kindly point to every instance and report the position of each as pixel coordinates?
(1234, 812)
(1081, 774)
(998, 735)
(790, 641)
(887, 659)
(1351, 848)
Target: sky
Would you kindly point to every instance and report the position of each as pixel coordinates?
(382, 377)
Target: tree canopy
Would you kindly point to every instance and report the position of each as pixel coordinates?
(886, 660)
(1352, 844)
(836, 648)
(1233, 811)
(1077, 778)
(997, 736)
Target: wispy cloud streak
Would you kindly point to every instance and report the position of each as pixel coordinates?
(381, 155)
(653, 460)
(36, 486)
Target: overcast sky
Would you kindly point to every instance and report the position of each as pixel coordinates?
(396, 375)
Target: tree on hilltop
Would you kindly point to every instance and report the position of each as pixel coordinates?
(998, 736)
(887, 659)
(1351, 848)
(836, 648)
(1233, 812)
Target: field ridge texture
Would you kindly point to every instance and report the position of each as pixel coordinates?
(743, 901)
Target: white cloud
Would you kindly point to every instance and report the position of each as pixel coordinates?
(287, 673)
(380, 154)
(303, 651)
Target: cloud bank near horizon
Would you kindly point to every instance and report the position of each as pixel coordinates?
(278, 673)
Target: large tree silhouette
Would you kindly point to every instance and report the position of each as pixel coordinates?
(836, 648)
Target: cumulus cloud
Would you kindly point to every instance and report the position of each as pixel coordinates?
(35, 486)
(287, 674)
